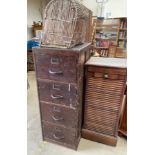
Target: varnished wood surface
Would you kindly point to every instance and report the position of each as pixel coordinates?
(60, 94)
(49, 91)
(60, 115)
(59, 134)
(104, 90)
(101, 138)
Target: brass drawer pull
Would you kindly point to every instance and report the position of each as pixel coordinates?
(55, 72)
(57, 119)
(57, 97)
(58, 138)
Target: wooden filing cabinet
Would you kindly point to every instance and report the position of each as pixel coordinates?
(59, 74)
(104, 90)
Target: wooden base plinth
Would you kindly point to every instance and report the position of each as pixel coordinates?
(97, 137)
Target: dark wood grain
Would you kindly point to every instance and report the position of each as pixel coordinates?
(60, 115)
(101, 138)
(58, 93)
(58, 133)
(59, 68)
(61, 95)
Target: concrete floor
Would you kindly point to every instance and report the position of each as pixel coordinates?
(37, 147)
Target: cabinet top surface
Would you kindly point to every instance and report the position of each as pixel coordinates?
(107, 62)
(74, 49)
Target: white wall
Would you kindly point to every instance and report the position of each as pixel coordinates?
(33, 14)
(92, 5)
(117, 8)
(33, 11)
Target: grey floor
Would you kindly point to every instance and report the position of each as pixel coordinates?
(37, 147)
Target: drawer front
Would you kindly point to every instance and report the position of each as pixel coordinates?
(100, 116)
(58, 93)
(58, 134)
(56, 67)
(60, 115)
(107, 73)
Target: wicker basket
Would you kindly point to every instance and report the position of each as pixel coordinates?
(65, 24)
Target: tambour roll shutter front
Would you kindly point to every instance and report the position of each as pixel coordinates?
(105, 86)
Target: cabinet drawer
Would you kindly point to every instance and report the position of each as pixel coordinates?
(107, 73)
(60, 115)
(58, 134)
(56, 67)
(100, 116)
(58, 93)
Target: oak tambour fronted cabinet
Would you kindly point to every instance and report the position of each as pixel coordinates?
(59, 74)
(104, 89)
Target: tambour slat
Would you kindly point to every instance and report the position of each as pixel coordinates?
(103, 82)
(100, 93)
(102, 96)
(103, 106)
(106, 85)
(100, 128)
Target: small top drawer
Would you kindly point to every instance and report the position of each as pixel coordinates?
(107, 73)
(56, 67)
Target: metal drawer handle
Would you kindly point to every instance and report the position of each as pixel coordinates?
(106, 76)
(57, 119)
(55, 72)
(58, 138)
(57, 97)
